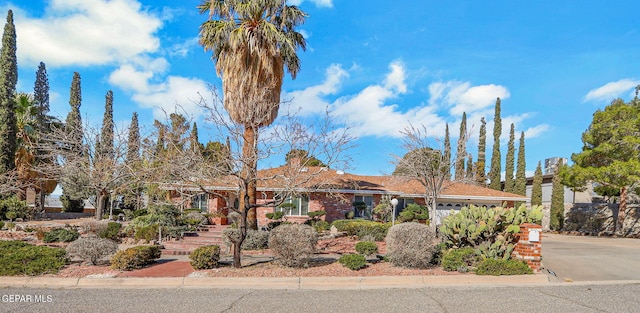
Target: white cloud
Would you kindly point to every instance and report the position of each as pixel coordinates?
(318, 3)
(86, 32)
(462, 97)
(535, 131)
(309, 100)
(611, 90)
(179, 94)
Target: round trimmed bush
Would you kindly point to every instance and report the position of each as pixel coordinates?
(366, 247)
(135, 257)
(204, 258)
(293, 244)
(410, 245)
(353, 261)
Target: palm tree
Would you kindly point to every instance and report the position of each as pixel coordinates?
(27, 135)
(252, 42)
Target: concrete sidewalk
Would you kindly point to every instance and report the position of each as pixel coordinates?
(285, 283)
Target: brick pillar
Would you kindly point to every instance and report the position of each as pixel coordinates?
(529, 246)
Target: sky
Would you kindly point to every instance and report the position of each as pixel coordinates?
(377, 67)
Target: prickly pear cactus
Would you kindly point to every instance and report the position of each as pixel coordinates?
(490, 231)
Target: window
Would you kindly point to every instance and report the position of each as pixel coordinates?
(300, 206)
(368, 201)
(199, 201)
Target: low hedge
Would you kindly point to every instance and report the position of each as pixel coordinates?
(61, 235)
(503, 267)
(459, 259)
(135, 257)
(363, 228)
(21, 258)
(366, 248)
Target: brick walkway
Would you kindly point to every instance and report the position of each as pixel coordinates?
(163, 268)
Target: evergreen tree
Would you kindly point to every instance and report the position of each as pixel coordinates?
(509, 183)
(8, 81)
(521, 176)
(43, 126)
(133, 141)
(73, 124)
(132, 194)
(447, 152)
(194, 142)
(494, 172)
(536, 189)
(41, 97)
(106, 140)
(461, 153)
(557, 202)
(480, 175)
(160, 146)
(469, 173)
(73, 127)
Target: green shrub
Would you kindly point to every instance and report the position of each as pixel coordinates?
(317, 214)
(61, 235)
(411, 245)
(147, 233)
(91, 250)
(11, 225)
(13, 208)
(459, 259)
(293, 244)
(21, 258)
(1, 224)
(414, 212)
(111, 232)
(367, 248)
(490, 231)
(275, 215)
(318, 225)
(206, 257)
(353, 261)
(503, 267)
(363, 228)
(349, 215)
(135, 257)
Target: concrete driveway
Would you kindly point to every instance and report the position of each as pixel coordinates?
(577, 258)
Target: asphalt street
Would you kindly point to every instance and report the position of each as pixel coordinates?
(563, 297)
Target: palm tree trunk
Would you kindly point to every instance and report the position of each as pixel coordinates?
(249, 169)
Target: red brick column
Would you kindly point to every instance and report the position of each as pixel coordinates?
(529, 246)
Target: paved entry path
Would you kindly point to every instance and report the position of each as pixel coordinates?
(163, 268)
(580, 258)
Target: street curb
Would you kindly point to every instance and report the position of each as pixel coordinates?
(275, 283)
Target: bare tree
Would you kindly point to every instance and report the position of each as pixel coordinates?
(94, 174)
(426, 164)
(319, 138)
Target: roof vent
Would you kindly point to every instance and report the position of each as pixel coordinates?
(304, 169)
(339, 172)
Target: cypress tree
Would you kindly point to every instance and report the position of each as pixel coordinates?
(73, 127)
(132, 193)
(461, 152)
(536, 189)
(469, 173)
(480, 175)
(521, 176)
(509, 183)
(8, 81)
(133, 140)
(106, 142)
(73, 124)
(41, 97)
(43, 125)
(447, 152)
(194, 142)
(557, 202)
(494, 172)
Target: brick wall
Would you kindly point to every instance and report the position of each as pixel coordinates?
(529, 246)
